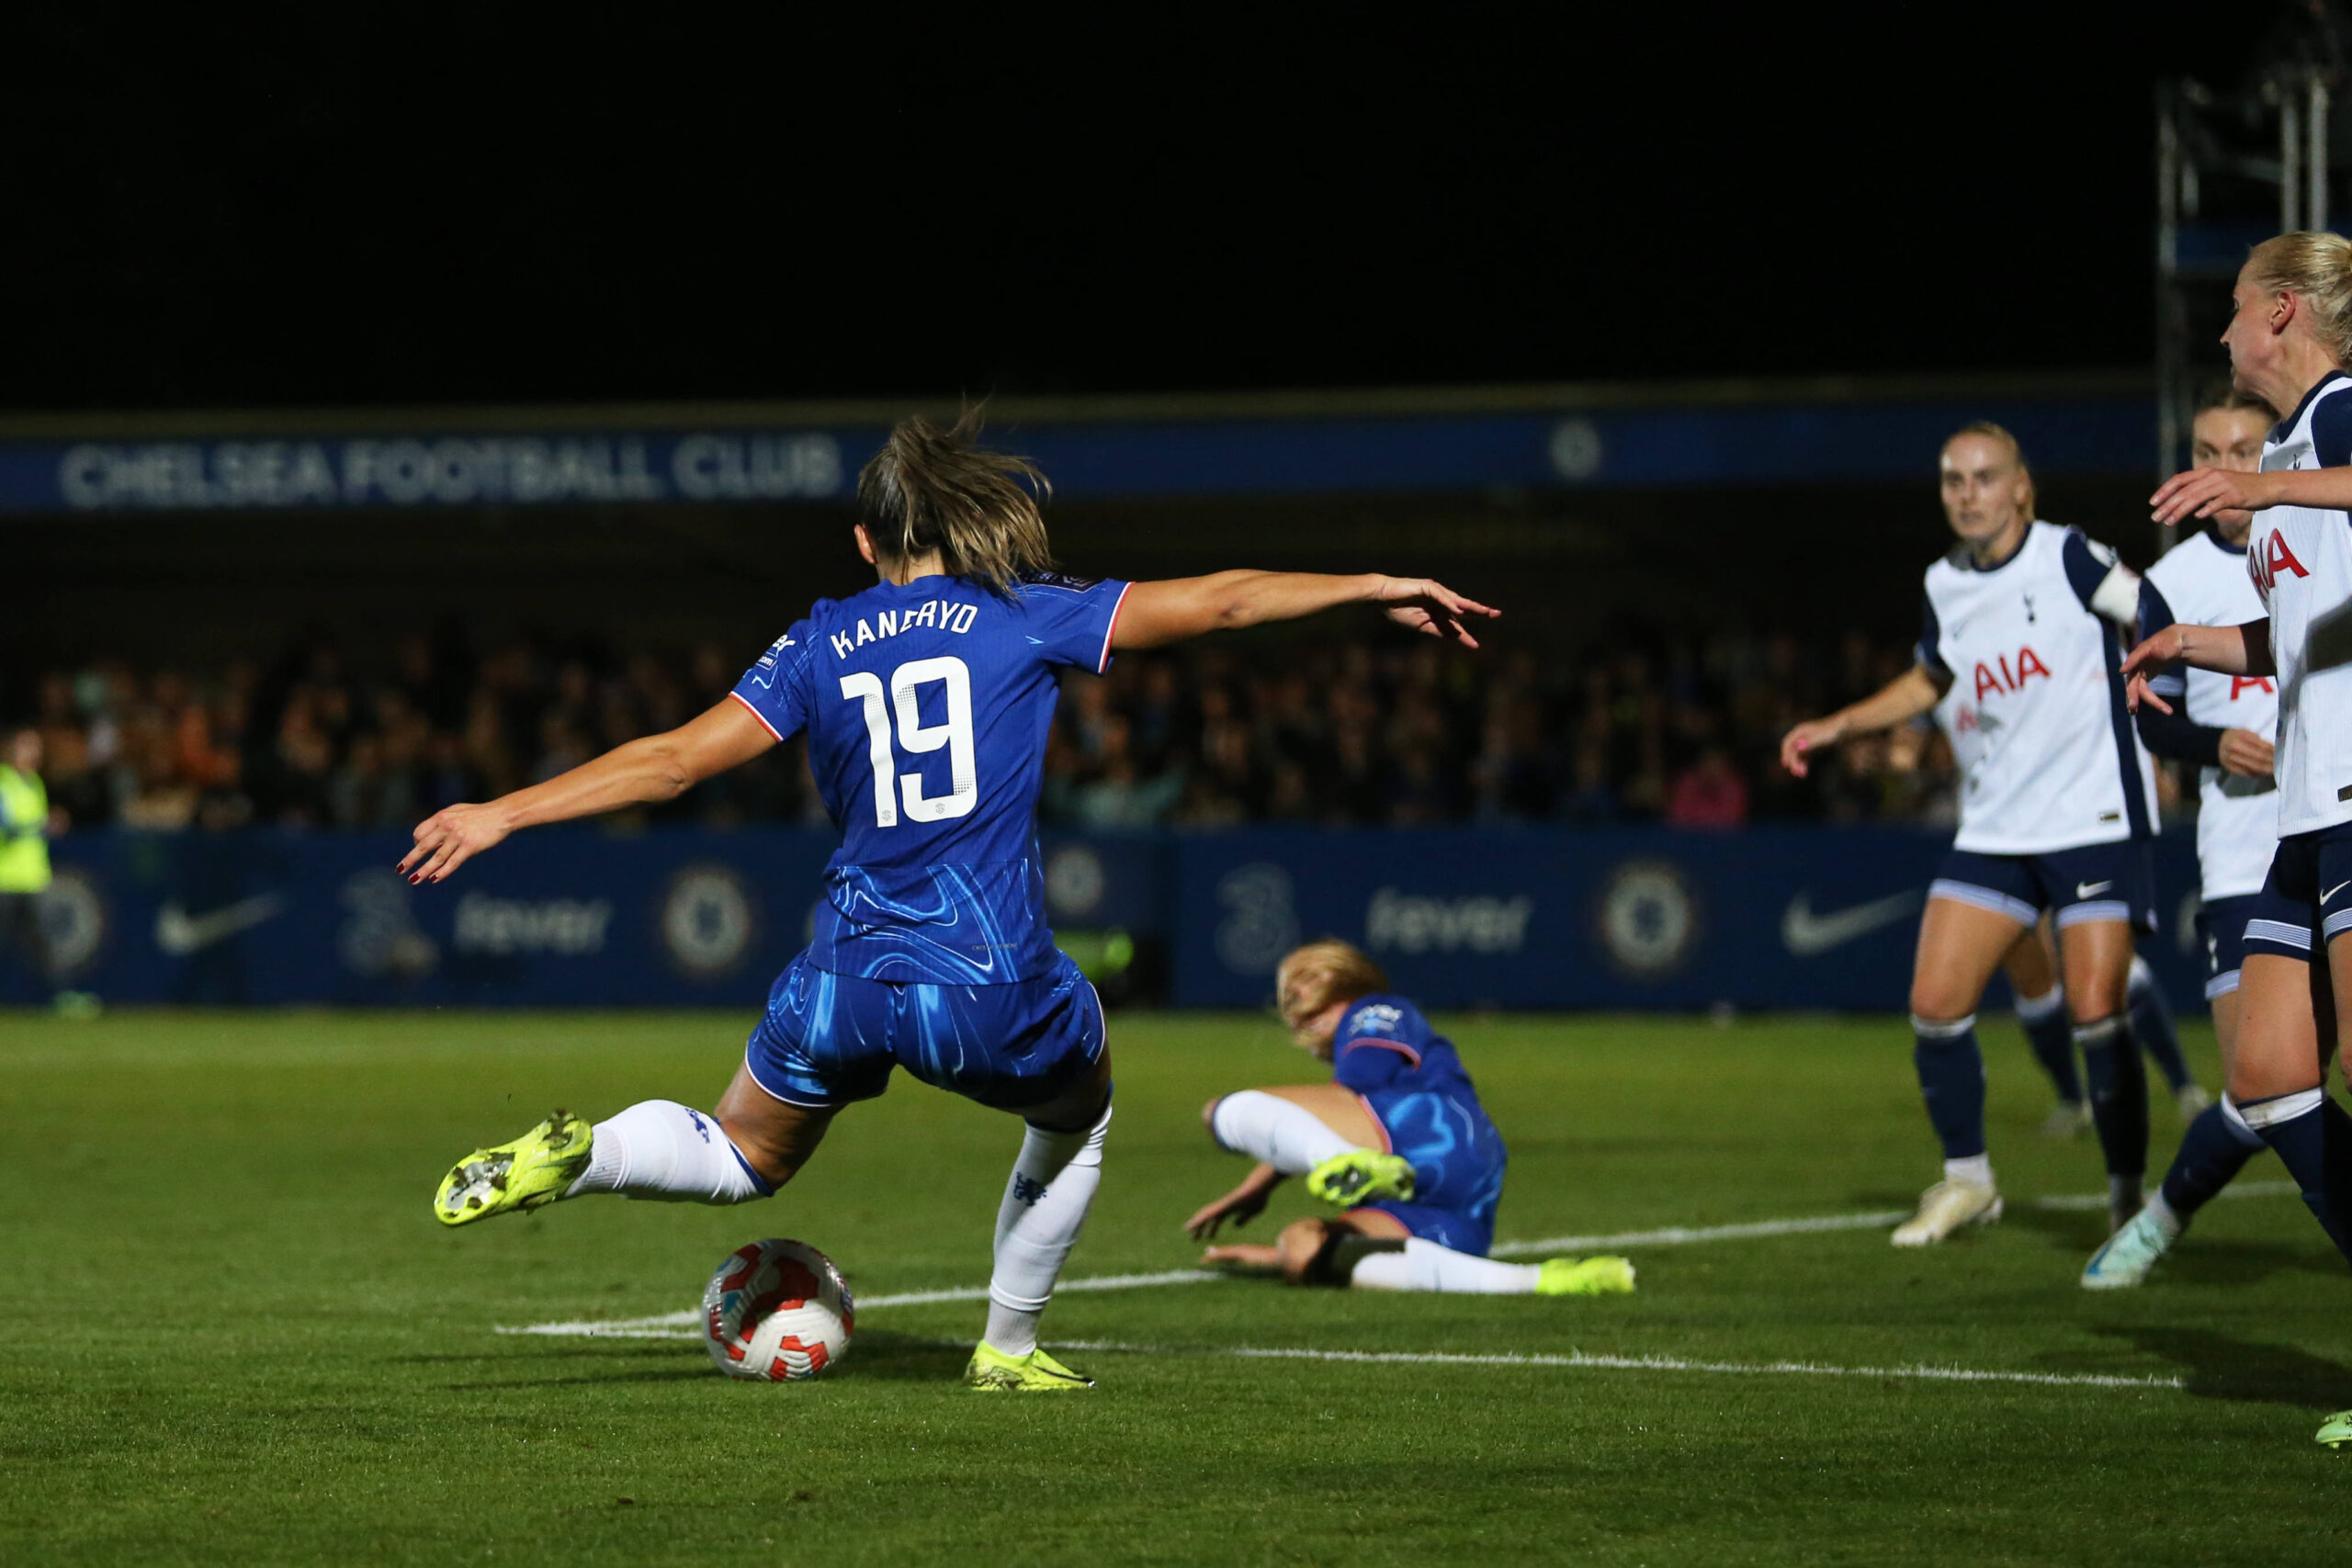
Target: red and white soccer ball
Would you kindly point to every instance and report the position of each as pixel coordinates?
(776, 1312)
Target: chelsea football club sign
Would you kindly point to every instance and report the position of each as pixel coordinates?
(452, 470)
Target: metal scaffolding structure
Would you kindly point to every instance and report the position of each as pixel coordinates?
(2232, 168)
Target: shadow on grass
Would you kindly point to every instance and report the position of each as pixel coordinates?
(2217, 1366)
(876, 1354)
(536, 1349)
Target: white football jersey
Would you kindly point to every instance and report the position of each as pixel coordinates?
(2301, 562)
(2048, 757)
(2204, 583)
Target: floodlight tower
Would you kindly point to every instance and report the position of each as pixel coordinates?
(2232, 168)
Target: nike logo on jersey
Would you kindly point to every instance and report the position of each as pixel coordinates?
(180, 934)
(1806, 934)
(2090, 889)
(2333, 891)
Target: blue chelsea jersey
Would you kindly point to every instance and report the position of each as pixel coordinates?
(927, 706)
(1415, 1083)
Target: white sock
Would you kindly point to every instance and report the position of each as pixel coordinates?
(660, 1149)
(1044, 1210)
(1425, 1266)
(1291, 1138)
(1977, 1169)
(2032, 1010)
(2159, 1211)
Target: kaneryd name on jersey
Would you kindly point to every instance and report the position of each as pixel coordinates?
(939, 613)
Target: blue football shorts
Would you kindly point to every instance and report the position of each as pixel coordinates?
(829, 1039)
(2306, 901)
(2220, 926)
(2096, 882)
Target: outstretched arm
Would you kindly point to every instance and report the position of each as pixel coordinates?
(1241, 1205)
(1157, 614)
(2201, 493)
(1900, 701)
(655, 767)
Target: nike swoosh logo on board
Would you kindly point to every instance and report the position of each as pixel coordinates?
(2085, 889)
(178, 933)
(1806, 934)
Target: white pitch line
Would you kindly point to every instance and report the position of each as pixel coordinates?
(1644, 1364)
(665, 1324)
(1681, 1236)
(2241, 1190)
(669, 1325)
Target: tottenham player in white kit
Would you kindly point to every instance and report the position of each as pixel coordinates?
(2288, 337)
(2225, 727)
(2057, 810)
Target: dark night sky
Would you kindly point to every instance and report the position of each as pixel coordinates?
(380, 206)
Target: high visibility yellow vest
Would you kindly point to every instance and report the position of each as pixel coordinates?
(24, 833)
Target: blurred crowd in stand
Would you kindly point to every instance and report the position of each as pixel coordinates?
(1386, 730)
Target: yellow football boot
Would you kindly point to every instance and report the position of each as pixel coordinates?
(511, 1177)
(1586, 1276)
(993, 1372)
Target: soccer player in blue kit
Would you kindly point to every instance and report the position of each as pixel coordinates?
(926, 700)
(1397, 1135)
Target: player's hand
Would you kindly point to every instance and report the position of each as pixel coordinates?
(1432, 608)
(2139, 691)
(1240, 1205)
(450, 838)
(2246, 754)
(1807, 737)
(2204, 492)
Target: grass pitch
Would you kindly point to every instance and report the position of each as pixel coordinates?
(234, 1333)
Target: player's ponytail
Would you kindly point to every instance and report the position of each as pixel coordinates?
(932, 489)
(2317, 268)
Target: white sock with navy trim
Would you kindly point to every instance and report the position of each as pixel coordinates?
(1044, 1205)
(662, 1150)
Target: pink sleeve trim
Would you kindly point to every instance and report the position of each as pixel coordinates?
(1397, 1045)
(1103, 663)
(755, 713)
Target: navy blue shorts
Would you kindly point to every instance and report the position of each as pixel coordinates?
(2308, 895)
(2096, 882)
(1447, 1227)
(829, 1039)
(2220, 926)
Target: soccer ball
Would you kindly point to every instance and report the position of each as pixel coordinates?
(776, 1312)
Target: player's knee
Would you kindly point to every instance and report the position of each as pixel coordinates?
(1935, 998)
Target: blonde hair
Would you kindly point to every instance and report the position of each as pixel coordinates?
(2317, 268)
(2000, 433)
(932, 489)
(1312, 978)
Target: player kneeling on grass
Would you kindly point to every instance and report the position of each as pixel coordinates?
(1398, 1138)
